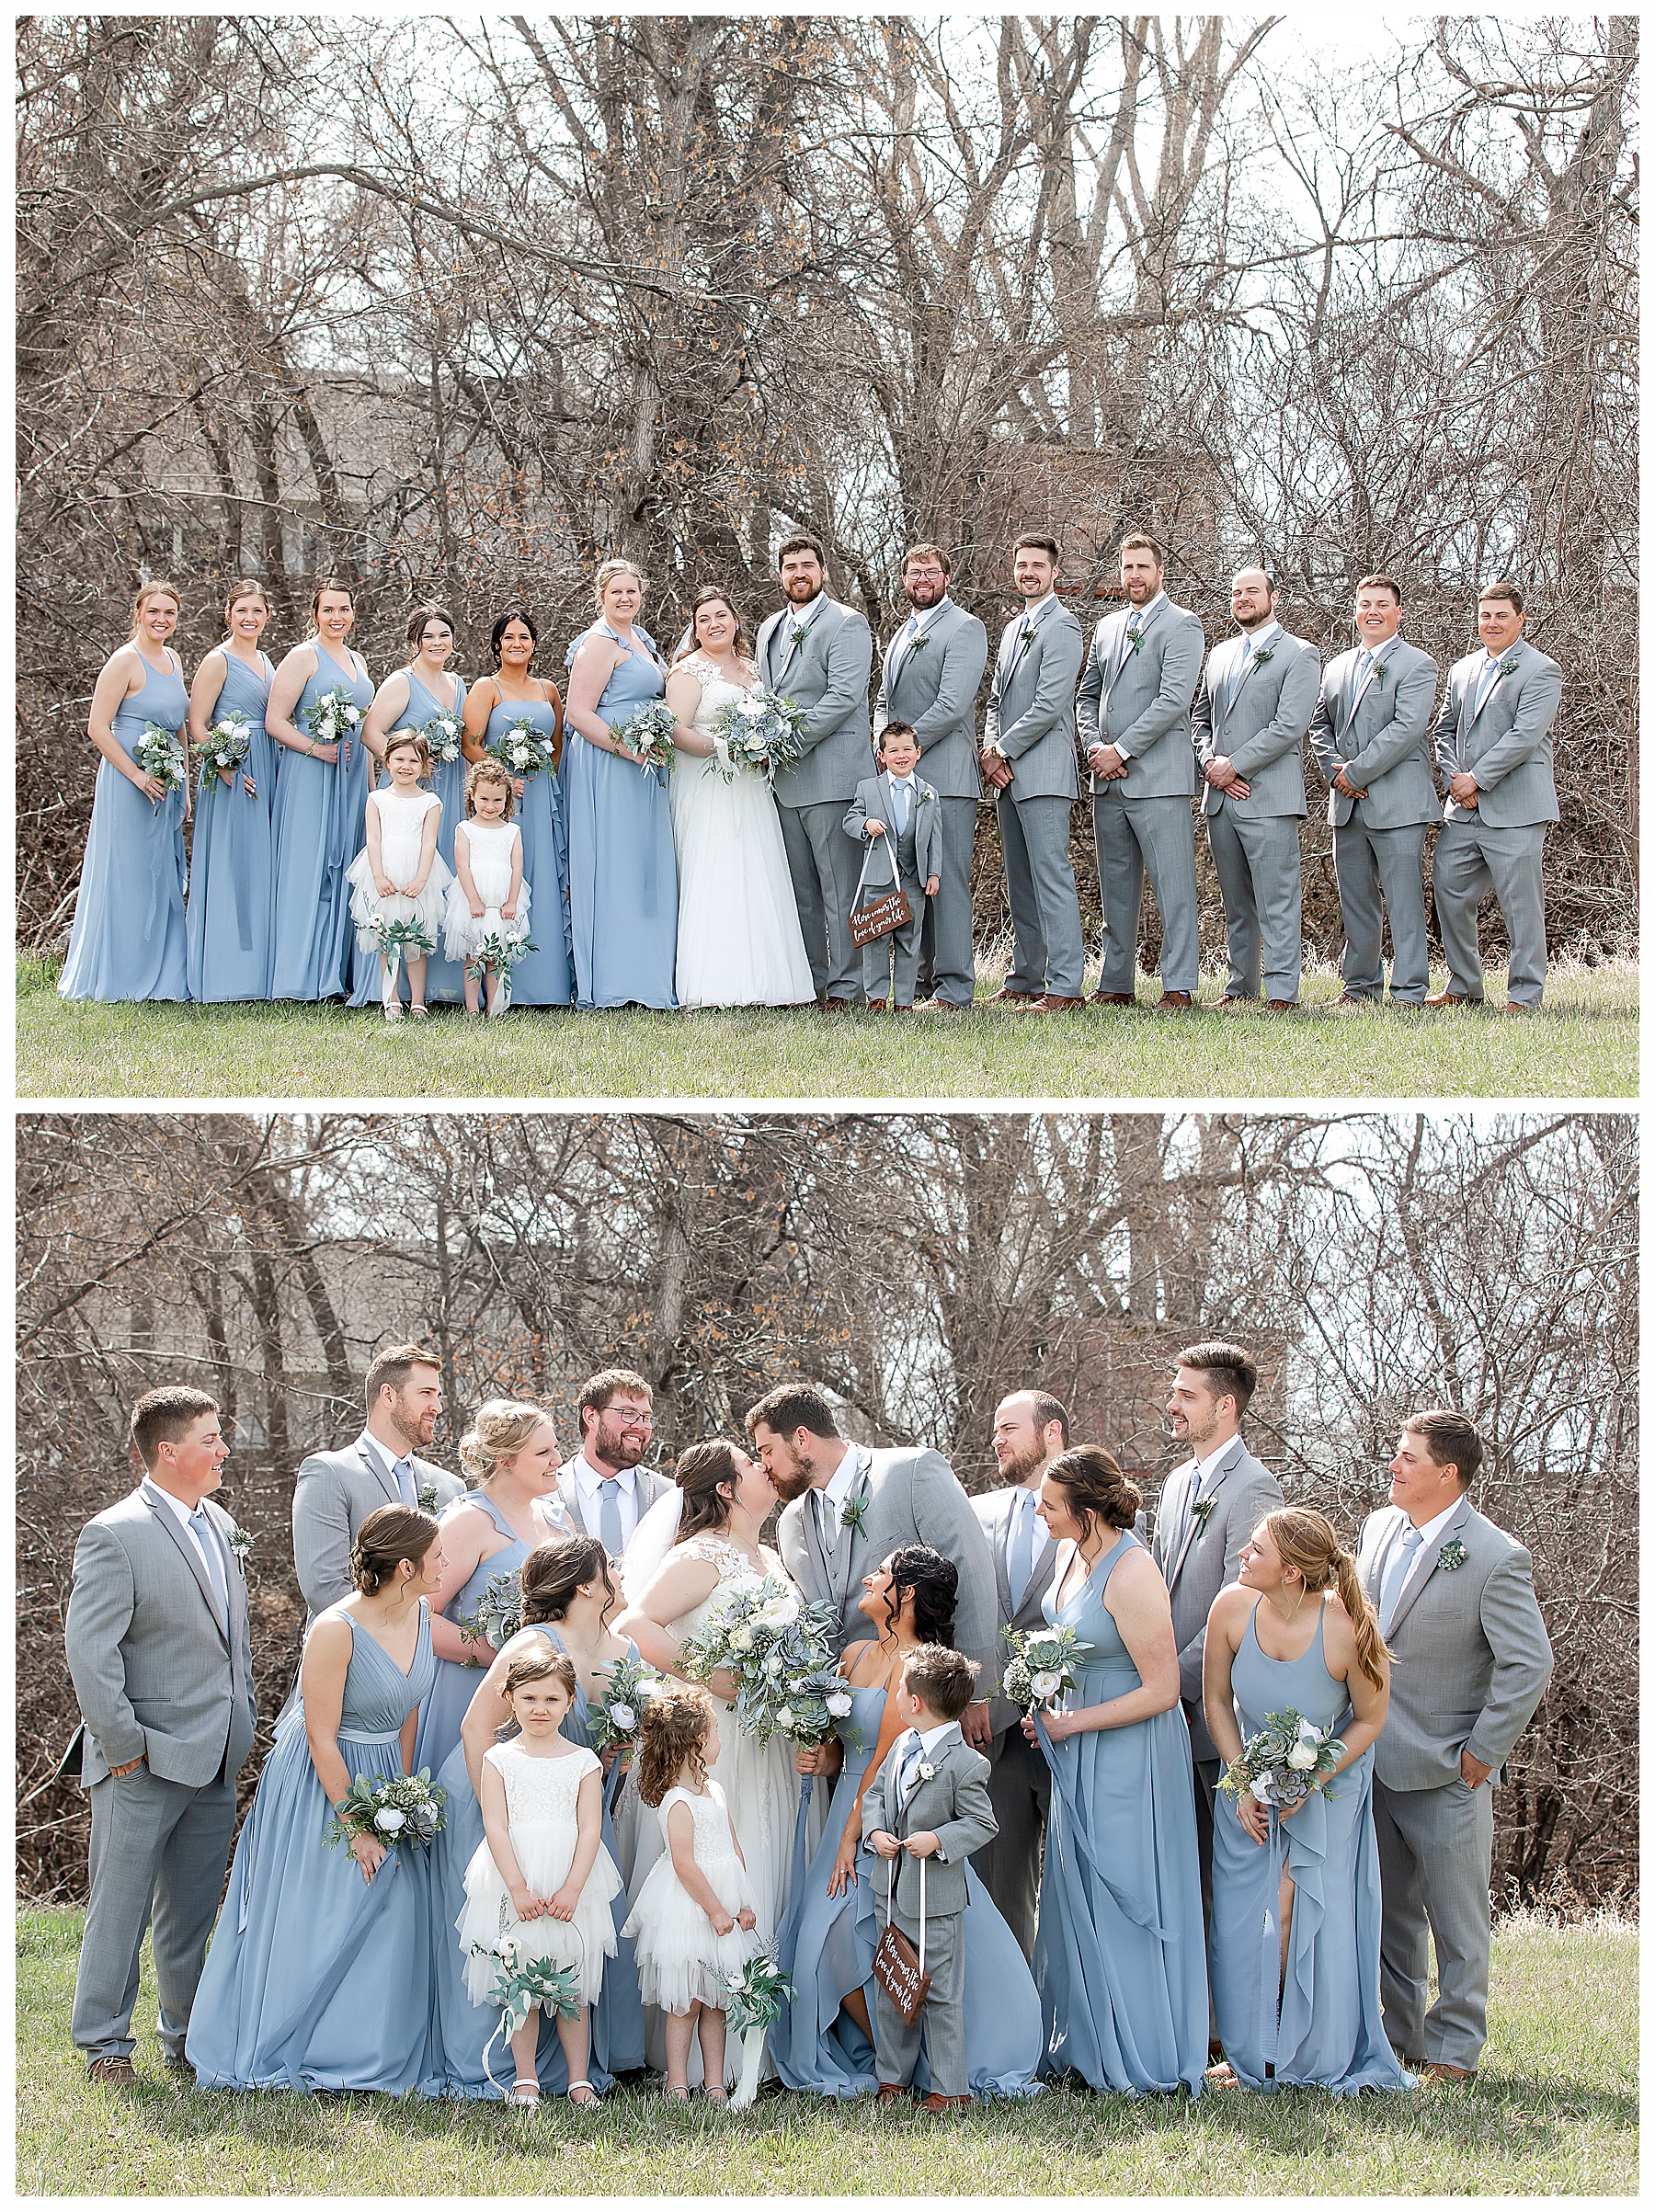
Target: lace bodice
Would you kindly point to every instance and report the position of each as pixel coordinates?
(540, 1789)
(712, 1817)
(716, 691)
(732, 1563)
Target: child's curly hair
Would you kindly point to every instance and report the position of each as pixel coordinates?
(673, 1729)
(487, 771)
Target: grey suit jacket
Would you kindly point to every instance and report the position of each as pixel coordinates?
(993, 1509)
(1206, 1560)
(1470, 1658)
(333, 1495)
(1031, 712)
(910, 1497)
(1377, 733)
(1144, 705)
(953, 1804)
(828, 675)
(1263, 731)
(155, 1675)
(933, 685)
(649, 1484)
(872, 804)
(1507, 745)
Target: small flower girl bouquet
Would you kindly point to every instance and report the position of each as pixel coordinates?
(392, 1808)
(757, 1996)
(332, 720)
(521, 749)
(649, 734)
(522, 1984)
(156, 753)
(1042, 1665)
(1283, 1762)
(225, 745)
(760, 1630)
(758, 735)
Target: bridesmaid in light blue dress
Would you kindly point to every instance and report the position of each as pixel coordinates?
(569, 1597)
(320, 795)
(622, 872)
(1295, 1633)
(128, 937)
(1118, 1947)
(319, 1973)
(509, 1454)
(495, 703)
(227, 917)
(823, 2043)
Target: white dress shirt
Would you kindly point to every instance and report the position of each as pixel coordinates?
(587, 1479)
(186, 1521)
(1431, 1533)
(923, 1746)
(831, 1497)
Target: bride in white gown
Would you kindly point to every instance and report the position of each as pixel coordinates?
(739, 942)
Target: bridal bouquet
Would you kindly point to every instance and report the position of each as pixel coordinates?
(1284, 1762)
(442, 735)
(332, 720)
(758, 733)
(225, 745)
(392, 1808)
(521, 749)
(649, 734)
(156, 753)
(1042, 1665)
(614, 1716)
(760, 1630)
(498, 1616)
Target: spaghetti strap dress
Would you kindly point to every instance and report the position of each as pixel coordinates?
(622, 872)
(317, 832)
(227, 917)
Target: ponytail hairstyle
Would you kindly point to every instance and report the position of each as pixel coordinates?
(159, 589)
(934, 1583)
(390, 1534)
(1309, 1541)
(554, 1571)
(673, 1731)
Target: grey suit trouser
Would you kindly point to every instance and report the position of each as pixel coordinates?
(1389, 862)
(942, 2021)
(891, 963)
(157, 1861)
(1435, 1850)
(947, 957)
(1153, 836)
(1471, 859)
(824, 864)
(1040, 887)
(1257, 858)
(1020, 1789)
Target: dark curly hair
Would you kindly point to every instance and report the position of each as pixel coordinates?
(935, 1584)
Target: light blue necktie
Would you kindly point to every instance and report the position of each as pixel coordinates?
(1234, 682)
(1396, 1577)
(1364, 661)
(404, 1472)
(609, 1516)
(900, 794)
(1485, 684)
(206, 1538)
(1019, 1553)
(905, 1772)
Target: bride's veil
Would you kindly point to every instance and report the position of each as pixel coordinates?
(652, 1540)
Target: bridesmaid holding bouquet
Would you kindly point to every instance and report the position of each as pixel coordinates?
(496, 707)
(319, 698)
(227, 918)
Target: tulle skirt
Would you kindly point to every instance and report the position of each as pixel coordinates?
(545, 1852)
(680, 1960)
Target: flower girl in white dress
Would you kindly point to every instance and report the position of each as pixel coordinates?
(540, 1884)
(694, 1919)
(488, 896)
(399, 876)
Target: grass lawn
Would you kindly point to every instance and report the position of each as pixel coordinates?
(1553, 2110)
(1583, 1044)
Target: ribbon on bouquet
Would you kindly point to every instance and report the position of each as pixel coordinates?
(1133, 1906)
(506, 2014)
(787, 1937)
(1270, 1940)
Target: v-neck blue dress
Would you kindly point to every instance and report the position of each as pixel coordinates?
(623, 870)
(316, 1979)
(227, 919)
(317, 832)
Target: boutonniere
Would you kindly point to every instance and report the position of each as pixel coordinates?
(1263, 659)
(1452, 1556)
(241, 1543)
(426, 1494)
(926, 1771)
(1135, 638)
(1380, 668)
(1026, 634)
(1201, 1513)
(920, 640)
(1508, 665)
(799, 632)
(854, 1513)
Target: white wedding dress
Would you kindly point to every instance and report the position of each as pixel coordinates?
(738, 938)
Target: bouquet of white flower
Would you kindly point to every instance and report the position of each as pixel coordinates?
(498, 1616)
(1284, 1762)
(333, 720)
(521, 749)
(757, 1996)
(442, 735)
(1042, 1665)
(156, 753)
(499, 952)
(392, 1808)
(758, 734)
(225, 746)
(522, 1983)
(649, 734)
(400, 940)
(774, 1643)
(615, 1716)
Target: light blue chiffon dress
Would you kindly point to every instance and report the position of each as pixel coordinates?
(827, 1943)
(546, 975)
(318, 832)
(1326, 2033)
(622, 872)
(615, 2024)
(227, 919)
(315, 1979)
(128, 938)
(1119, 1955)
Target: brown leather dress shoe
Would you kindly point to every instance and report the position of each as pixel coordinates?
(891, 2092)
(1447, 998)
(1280, 1006)
(1234, 999)
(837, 1006)
(119, 2073)
(1174, 1002)
(1051, 1003)
(877, 1006)
(1347, 999)
(1113, 999)
(944, 1006)
(935, 2103)
(1007, 997)
(902, 1010)
(1440, 2071)
(1516, 1007)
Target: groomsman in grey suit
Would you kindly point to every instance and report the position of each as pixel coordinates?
(1031, 1428)
(1208, 1508)
(604, 1490)
(336, 1491)
(1251, 711)
(1370, 738)
(929, 679)
(162, 1662)
(818, 653)
(849, 1506)
(1494, 748)
(1140, 677)
(1028, 757)
(1470, 1661)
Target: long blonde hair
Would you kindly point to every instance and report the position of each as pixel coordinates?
(1309, 1541)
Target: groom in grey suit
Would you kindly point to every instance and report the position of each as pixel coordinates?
(929, 679)
(336, 1491)
(1251, 711)
(818, 653)
(1029, 756)
(1207, 1510)
(1494, 748)
(849, 1506)
(1140, 677)
(604, 1490)
(162, 1662)
(1369, 736)
(1471, 1660)
(1030, 1429)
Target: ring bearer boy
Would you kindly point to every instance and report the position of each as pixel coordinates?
(899, 807)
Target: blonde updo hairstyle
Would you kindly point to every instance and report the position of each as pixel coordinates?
(499, 1429)
(1308, 1541)
(159, 589)
(390, 1534)
(617, 567)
